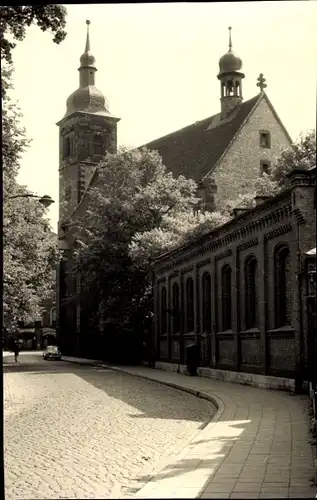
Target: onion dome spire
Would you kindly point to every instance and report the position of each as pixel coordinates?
(230, 41)
(230, 77)
(87, 97)
(230, 62)
(87, 59)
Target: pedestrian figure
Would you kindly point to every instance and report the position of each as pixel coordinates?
(16, 351)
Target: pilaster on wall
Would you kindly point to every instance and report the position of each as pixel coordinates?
(263, 304)
(169, 317)
(197, 304)
(182, 319)
(236, 305)
(156, 315)
(214, 314)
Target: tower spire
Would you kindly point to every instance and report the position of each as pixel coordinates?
(87, 48)
(87, 67)
(230, 77)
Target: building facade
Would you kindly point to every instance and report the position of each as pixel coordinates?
(240, 291)
(223, 153)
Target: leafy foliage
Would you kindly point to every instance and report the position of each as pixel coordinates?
(136, 211)
(29, 248)
(263, 186)
(15, 19)
(302, 154)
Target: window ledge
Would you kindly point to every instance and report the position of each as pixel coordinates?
(225, 332)
(281, 329)
(284, 331)
(251, 333)
(254, 329)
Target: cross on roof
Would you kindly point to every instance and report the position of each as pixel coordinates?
(261, 82)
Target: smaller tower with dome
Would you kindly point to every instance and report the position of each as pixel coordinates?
(230, 77)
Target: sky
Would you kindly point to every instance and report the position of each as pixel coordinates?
(157, 65)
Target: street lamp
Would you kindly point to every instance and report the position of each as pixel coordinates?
(45, 200)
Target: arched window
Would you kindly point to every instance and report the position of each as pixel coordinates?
(283, 287)
(53, 315)
(163, 312)
(251, 301)
(206, 302)
(66, 147)
(189, 305)
(175, 312)
(226, 297)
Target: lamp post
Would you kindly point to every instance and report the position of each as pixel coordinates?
(45, 200)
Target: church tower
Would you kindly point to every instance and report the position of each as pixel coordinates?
(86, 133)
(231, 81)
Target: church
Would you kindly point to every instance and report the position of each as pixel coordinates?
(203, 285)
(222, 153)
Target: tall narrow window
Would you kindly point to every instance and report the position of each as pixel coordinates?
(251, 302)
(98, 145)
(68, 193)
(163, 312)
(206, 286)
(189, 305)
(175, 311)
(66, 147)
(283, 287)
(53, 315)
(226, 298)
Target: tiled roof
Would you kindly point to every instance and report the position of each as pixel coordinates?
(193, 151)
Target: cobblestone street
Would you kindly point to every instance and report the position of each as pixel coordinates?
(75, 431)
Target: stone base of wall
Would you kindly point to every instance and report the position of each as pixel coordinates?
(261, 381)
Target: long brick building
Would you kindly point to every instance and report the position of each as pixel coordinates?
(240, 292)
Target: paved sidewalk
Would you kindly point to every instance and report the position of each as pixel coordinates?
(257, 446)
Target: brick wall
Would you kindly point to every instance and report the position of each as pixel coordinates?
(241, 164)
(265, 348)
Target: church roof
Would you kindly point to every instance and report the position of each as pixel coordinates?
(194, 151)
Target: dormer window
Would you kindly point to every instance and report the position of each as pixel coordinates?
(265, 140)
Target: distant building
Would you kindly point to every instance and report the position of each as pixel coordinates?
(222, 153)
(35, 334)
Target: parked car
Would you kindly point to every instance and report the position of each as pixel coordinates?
(52, 352)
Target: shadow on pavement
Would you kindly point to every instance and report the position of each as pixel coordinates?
(208, 466)
(141, 395)
(144, 396)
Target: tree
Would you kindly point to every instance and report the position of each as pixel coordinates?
(29, 248)
(29, 256)
(136, 211)
(14, 140)
(15, 19)
(302, 154)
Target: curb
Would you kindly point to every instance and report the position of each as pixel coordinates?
(217, 402)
